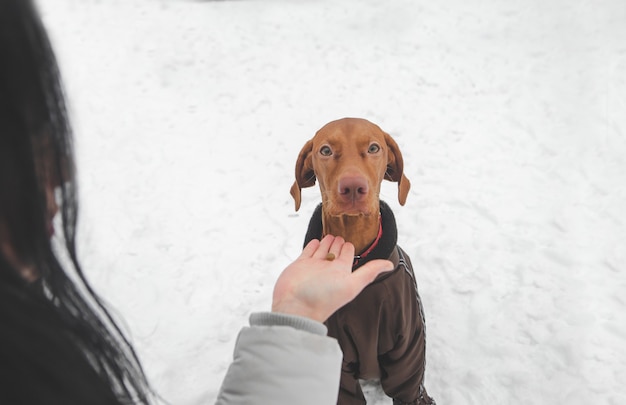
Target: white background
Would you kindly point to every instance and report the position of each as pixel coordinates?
(511, 117)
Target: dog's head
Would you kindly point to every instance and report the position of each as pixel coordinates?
(350, 158)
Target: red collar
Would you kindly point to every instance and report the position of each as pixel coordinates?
(373, 245)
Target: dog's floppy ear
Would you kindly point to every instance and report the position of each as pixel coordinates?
(395, 166)
(305, 176)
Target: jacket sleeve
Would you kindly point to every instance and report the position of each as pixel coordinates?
(282, 359)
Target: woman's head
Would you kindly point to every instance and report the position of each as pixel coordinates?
(37, 179)
(36, 163)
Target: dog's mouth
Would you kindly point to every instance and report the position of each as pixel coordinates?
(349, 208)
(351, 215)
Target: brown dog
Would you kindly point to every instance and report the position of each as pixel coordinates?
(381, 332)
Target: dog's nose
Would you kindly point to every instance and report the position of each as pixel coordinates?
(353, 188)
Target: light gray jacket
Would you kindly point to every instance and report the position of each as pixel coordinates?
(282, 359)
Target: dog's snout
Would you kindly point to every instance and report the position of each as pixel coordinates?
(353, 188)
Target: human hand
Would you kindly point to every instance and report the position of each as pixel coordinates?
(315, 287)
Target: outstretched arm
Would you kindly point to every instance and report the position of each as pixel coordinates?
(285, 357)
(315, 287)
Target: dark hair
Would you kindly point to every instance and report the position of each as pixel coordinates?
(57, 339)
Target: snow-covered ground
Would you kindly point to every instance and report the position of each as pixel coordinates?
(512, 120)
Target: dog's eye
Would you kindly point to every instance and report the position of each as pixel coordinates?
(326, 151)
(373, 148)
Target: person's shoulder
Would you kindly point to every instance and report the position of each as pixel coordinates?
(41, 362)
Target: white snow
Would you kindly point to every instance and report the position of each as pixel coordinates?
(511, 117)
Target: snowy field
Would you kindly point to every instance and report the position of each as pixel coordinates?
(512, 120)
